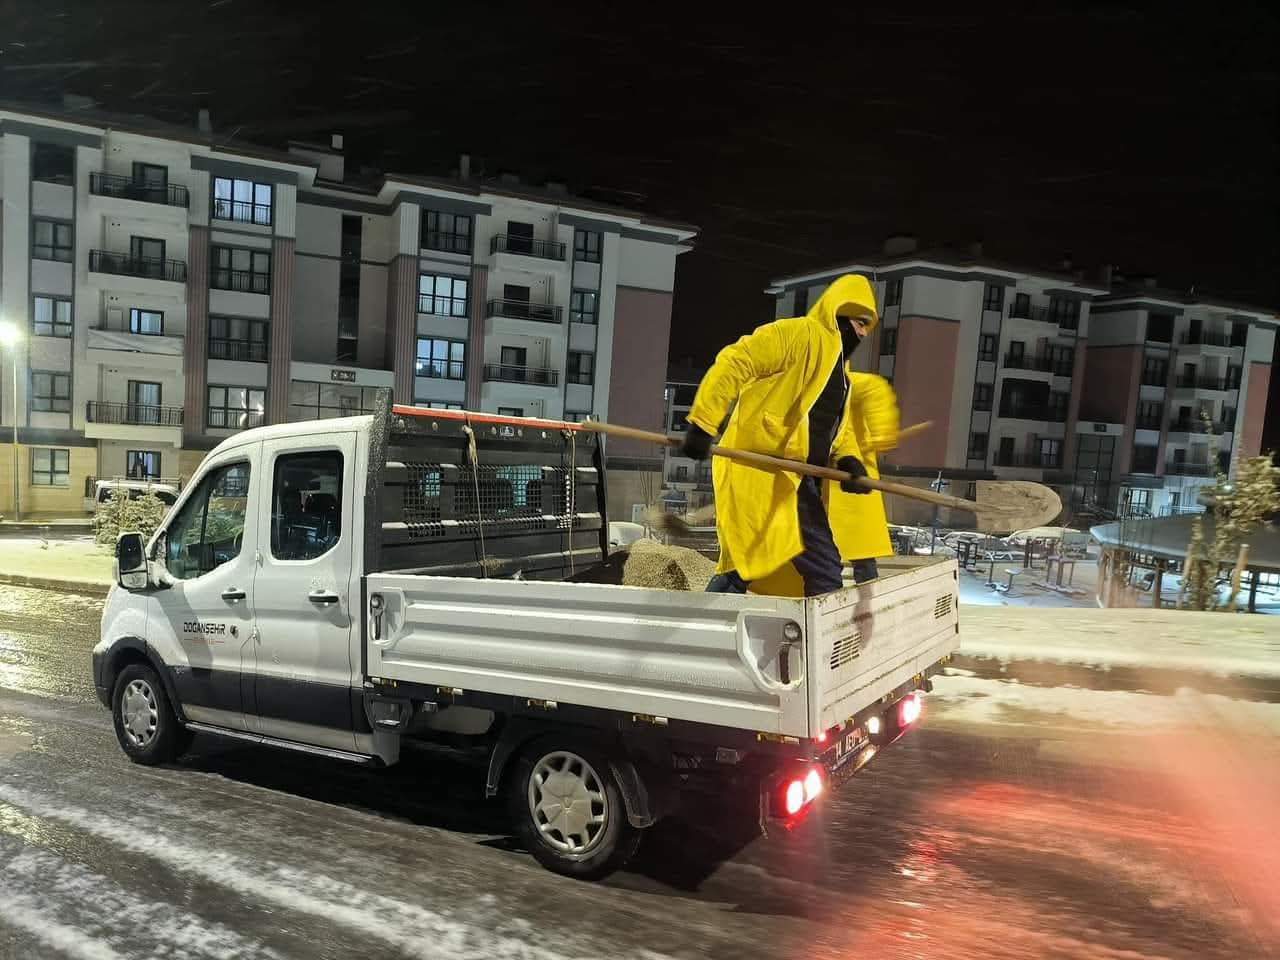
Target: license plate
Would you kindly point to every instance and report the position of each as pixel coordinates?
(847, 746)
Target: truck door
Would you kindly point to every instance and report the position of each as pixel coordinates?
(202, 626)
(303, 592)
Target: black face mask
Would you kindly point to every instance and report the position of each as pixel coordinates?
(849, 338)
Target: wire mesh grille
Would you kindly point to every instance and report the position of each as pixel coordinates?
(422, 508)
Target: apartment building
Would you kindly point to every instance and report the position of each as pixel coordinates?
(686, 483)
(1041, 375)
(1180, 384)
(169, 289)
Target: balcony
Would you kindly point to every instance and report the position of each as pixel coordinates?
(1206, 338)
(1041, 364)
(532, 376)
(107, 340)
(1038, 314)
(1189, 468)
(148, 268)
(1043, 414)
(1149, 423)
(1035, 460)
(242, 211)
(241, 281)
(219, 418)
(527, 247)
(125, 188)
(148, 422)
(446, 242)
(249, 351)
(1202, 426)
(1204, 383)
(524, 310)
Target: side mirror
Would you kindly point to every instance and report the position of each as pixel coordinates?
(131, 565)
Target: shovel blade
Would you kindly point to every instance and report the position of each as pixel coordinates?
(1008, 505)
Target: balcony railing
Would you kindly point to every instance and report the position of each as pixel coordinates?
(124, 265)
(448, 242)
(1034, 460)
(1202, 426)
(1039, 314)
(1188, 468)
(1206, 338)
(524, 310)
(509, 373)
(442, 306)
(242, 281)
(252, 351)
(134, 414)
(1046, 414)
(1202, 383)
(126, 188)
(582, 377)
(527, 247)
(1149, 423)
(1053, 365)
(220, 418)
(441, 369)
(242, 211)
(1156, 379)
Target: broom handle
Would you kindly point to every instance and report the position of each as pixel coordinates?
(777, 464)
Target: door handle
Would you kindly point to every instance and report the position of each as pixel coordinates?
(233, 594)
(322, 597)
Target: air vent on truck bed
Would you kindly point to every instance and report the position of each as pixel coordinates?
(943, 607)
(845, 649)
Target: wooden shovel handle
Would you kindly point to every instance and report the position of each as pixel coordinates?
(781, 464)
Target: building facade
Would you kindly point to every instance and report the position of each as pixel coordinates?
(169, 291)
(1038, 375)
(686, 484)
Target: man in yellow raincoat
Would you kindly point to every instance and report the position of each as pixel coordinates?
(793, 395)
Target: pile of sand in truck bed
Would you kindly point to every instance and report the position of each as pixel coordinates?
(661, 567)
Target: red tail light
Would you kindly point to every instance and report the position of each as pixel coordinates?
(909, 709)
(795, 797)
(812, 785)
(799, 791)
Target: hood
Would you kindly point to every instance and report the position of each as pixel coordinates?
(850, 290)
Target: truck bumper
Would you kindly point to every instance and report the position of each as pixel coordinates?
(99, 680)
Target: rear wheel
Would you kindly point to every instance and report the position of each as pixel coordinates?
(569, 810)
(146, 726)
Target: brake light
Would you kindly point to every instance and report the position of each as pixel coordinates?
(909, 710)
(795, 797)
(873, 726)
(812, 786)
(822, 737)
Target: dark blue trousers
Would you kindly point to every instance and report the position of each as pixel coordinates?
(819, 563)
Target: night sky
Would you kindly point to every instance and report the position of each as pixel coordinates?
(1126, 133)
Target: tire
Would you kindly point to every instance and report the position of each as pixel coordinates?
(581, 846)
(146, 726)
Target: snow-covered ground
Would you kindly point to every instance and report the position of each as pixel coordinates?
(78, 560)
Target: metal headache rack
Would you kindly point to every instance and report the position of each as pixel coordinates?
(478, 495)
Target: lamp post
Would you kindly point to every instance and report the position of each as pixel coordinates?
(11, 336)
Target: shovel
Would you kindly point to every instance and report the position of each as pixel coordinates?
(1002, 505)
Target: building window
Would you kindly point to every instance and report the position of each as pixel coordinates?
(236, 408)
(583, 306)
(51, 317)
(450, 232)
(148, 322)
(1064, 312)
(801, 302)
(50, 467)
(241, 269)
(1234, 375)
(1050, 452)
(142, 464)
(511, 411)
(1155, 371)
(586, 246)
(988, 344)
(977, 446)
(1160, 327)
(238, 338)
(50, 392)
(1144, 458)
(309, 400)
(1061, 360)
(581, 368)
(441, 359)
(994, 298)
(443, 296)
(437, 404)
(1150, 414)
(982, 396)
(889, 341)
(243, 201)
(349, 289)
(577, 416)
(1059, 406)
(51, 163)
(51, 240)
(1021, 306)
(893, 292)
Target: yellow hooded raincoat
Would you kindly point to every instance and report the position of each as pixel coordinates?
(774, 376)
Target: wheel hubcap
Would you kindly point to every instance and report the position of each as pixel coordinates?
(139, 713)
(568, 803)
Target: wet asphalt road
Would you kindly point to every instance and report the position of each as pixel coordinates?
(1043, 839)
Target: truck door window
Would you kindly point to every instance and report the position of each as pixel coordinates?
(209, 529)
(306, 505)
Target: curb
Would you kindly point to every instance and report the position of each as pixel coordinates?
(66, 586)
(1141, 679)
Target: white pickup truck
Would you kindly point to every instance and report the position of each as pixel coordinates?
(339, 586)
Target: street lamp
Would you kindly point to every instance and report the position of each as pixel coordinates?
(11, 336)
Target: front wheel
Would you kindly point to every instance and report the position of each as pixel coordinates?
(569, 811)
(146, 726)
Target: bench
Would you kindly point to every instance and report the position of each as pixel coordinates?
(1005, 587)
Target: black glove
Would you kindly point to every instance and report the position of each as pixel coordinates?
(697, 443)
(852, 466)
